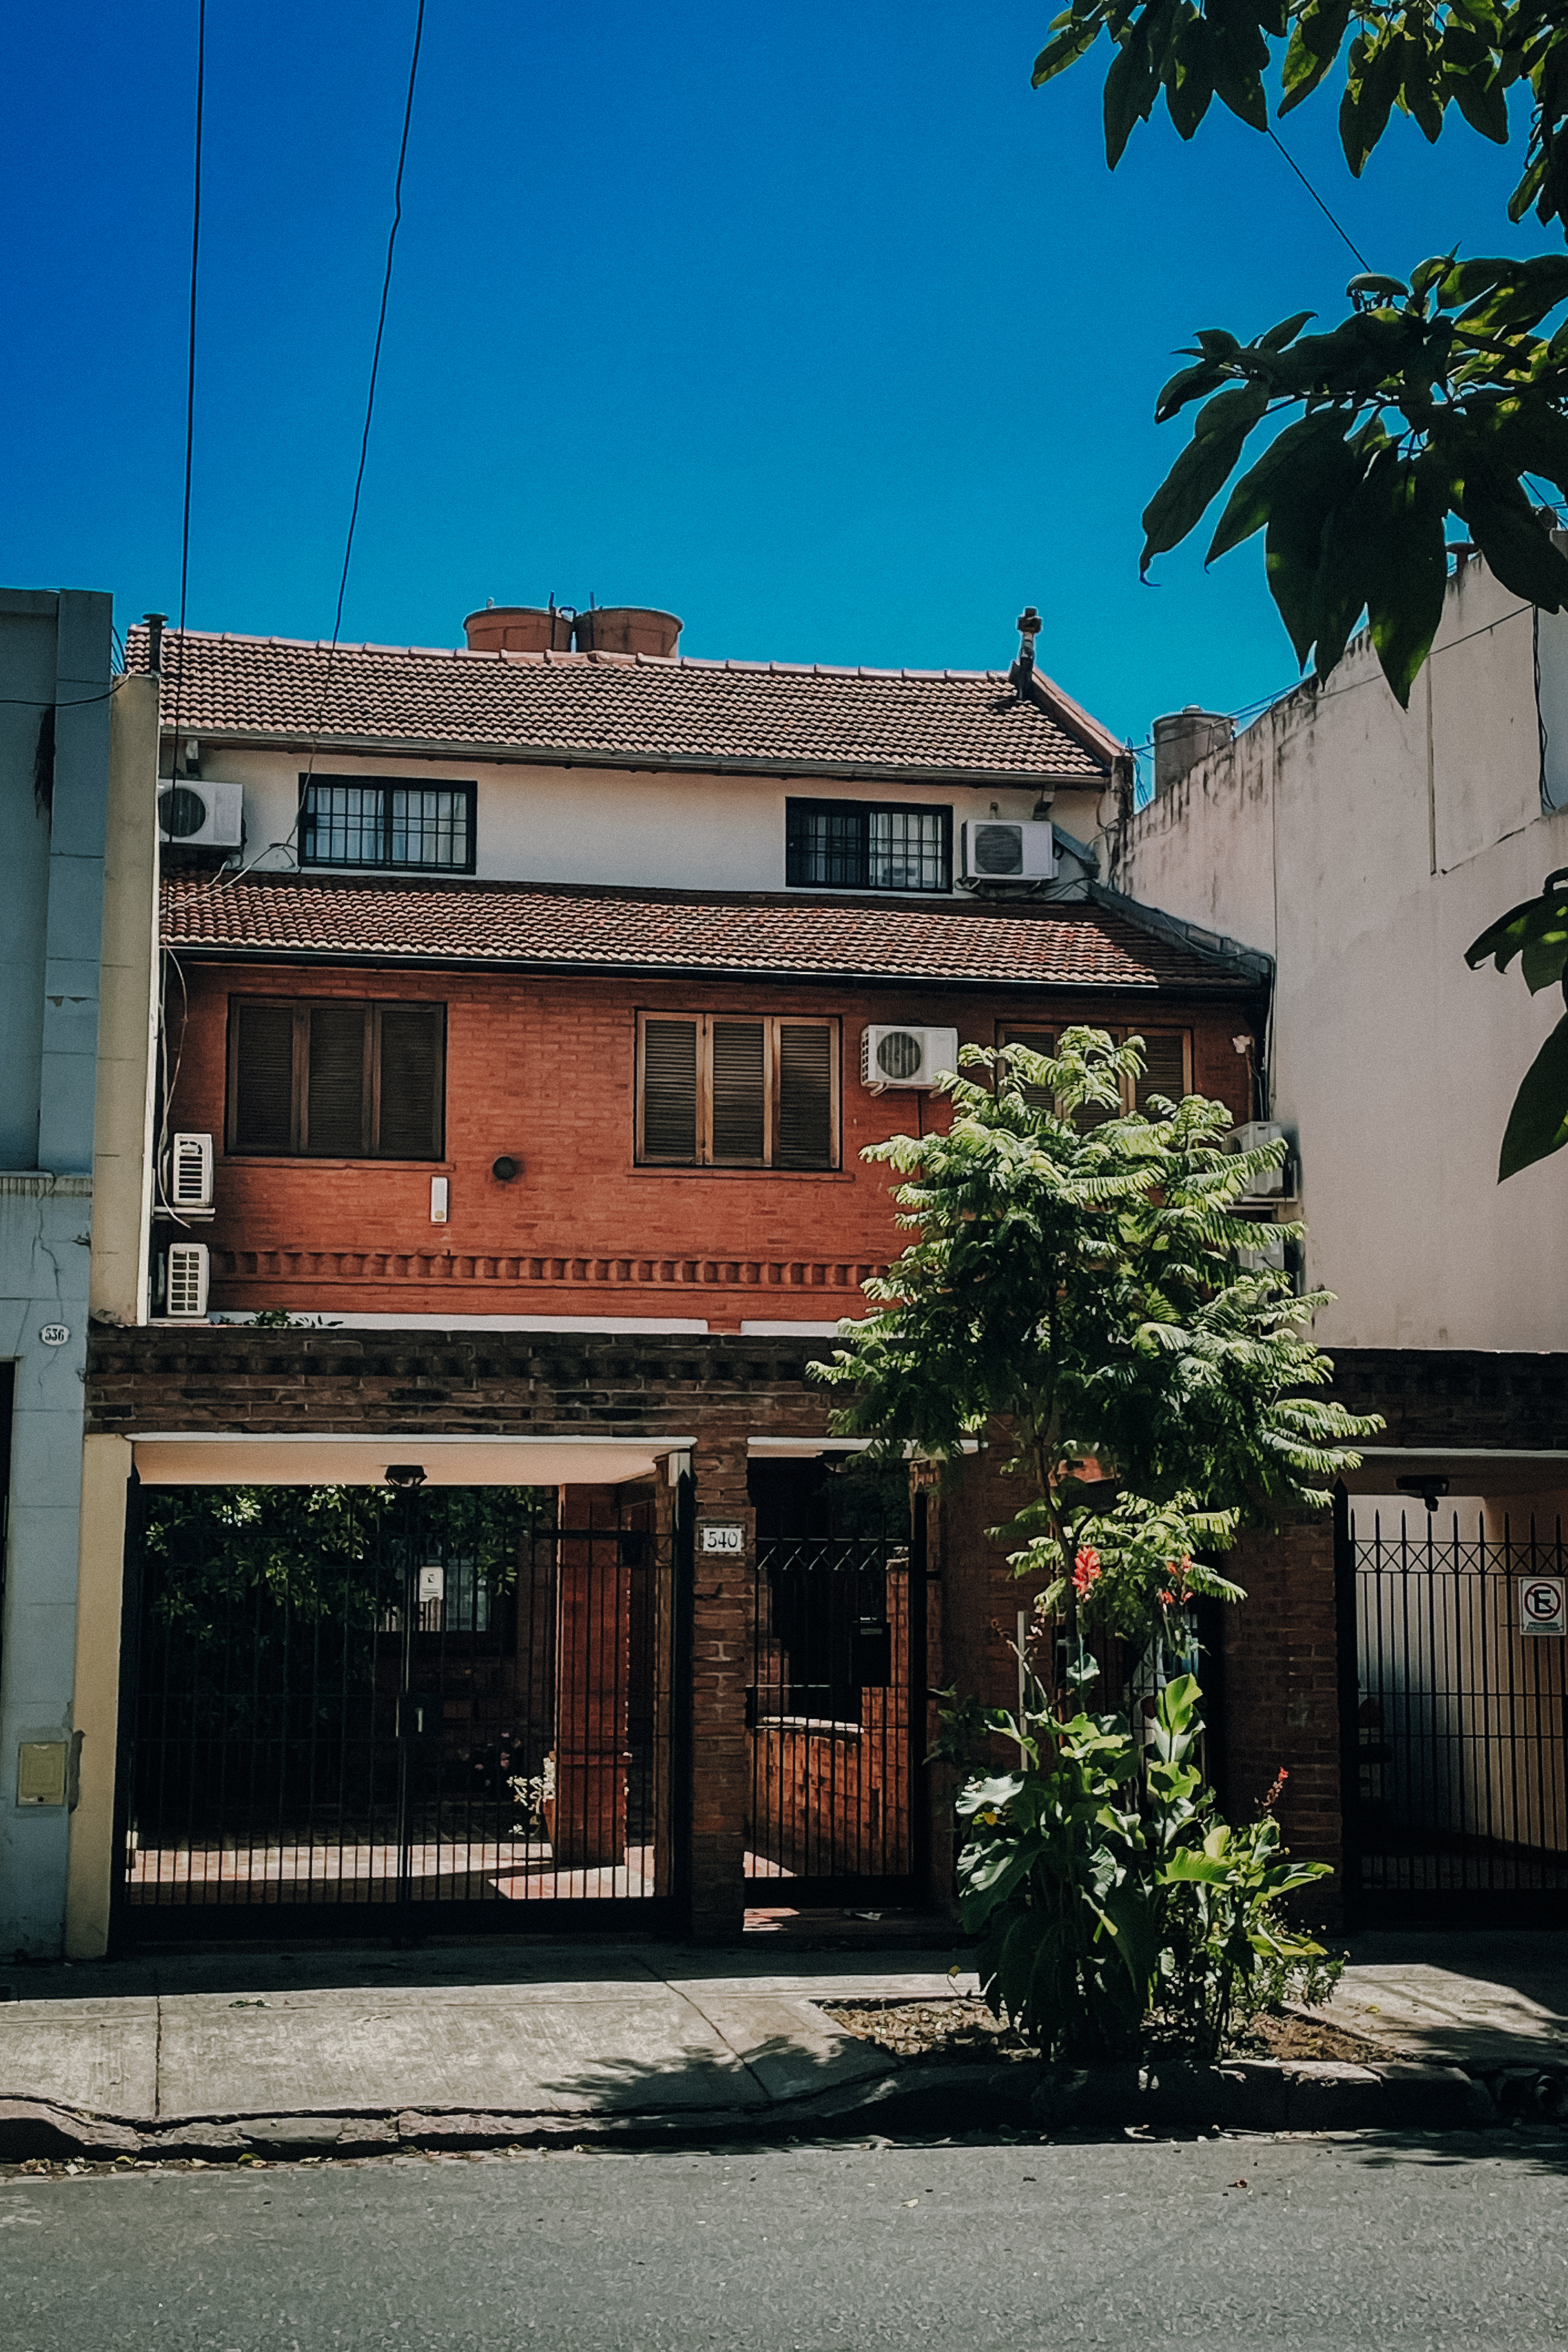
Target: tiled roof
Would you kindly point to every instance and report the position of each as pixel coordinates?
(575, 927)
(620, 709)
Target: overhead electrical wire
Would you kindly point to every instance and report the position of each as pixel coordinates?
(239, 872)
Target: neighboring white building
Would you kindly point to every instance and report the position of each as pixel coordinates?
(1365, 848)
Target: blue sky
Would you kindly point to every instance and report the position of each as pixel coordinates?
(815, 325)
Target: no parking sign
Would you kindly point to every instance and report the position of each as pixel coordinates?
(1543, 1604)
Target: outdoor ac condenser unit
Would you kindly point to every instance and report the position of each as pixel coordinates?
(894, 1056)
(1268, 1257)
(195, 815)
(191, 1175)
(185, 1281)
(1271, 1184)
(997, 849)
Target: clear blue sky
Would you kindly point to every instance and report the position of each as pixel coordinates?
(814, 324)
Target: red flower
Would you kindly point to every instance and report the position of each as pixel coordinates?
(1086, 1570)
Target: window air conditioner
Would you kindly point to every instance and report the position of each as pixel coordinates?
(995, 849)
(1256, 1131)
(899, 1056)
(185, 1281)
(191, 1175)
(195, 815)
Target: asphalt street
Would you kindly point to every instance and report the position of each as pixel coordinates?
(1351, 2245)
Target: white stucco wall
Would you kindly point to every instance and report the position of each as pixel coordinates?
(540, 824)
(1365, 848)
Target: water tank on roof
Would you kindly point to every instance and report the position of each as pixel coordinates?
(627, 629)
(518, 629)
(1183, 738)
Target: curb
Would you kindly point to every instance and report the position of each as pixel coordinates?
(1239, 2094)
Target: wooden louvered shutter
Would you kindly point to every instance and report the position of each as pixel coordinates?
(1164, 1068)
(669, 1090)
(263, 1078)
(335, 1087)
(804, 1135)
(739, 1084)
(408, 1091)
(1039, 1041)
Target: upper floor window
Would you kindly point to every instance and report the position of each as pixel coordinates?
(867, 845)
(715, 1090)
(1167, 1067)
(365, 821)
(335, 1081)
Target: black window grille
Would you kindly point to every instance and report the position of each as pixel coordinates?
(867, 845)
(356, 821)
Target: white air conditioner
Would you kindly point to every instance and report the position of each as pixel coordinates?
(999, 849)
(185, 1280)
(1268, 1257)
(191, 1175)
(1255, 1132)
(195, 815)
(894, 1056)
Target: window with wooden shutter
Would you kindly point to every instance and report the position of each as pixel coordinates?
(1164, 1068)
(261, 1077)
(715, 1090)
(738, 1052)
(1167, 1067)
(668, 1093)
(1039, 1041)
(335, 1081)
(803, 1135)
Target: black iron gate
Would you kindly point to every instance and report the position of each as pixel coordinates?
(379, 1711)
(1454, 1721)
(836, 1705)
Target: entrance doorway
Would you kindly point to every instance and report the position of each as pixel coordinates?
(831, 1706)
(352, 1709)
(1453, 1718)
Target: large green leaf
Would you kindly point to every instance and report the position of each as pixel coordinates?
(1200, 472)
(1517, 545)
(1296, 451)
(1538, 1123)
(1407, 574)
(1316, 39)
(1538, 930)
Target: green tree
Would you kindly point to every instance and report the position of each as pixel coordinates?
(1078, 1290)
(1442, 395)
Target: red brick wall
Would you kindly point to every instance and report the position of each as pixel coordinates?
(543, 1071)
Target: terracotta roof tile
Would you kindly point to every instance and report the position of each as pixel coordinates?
(583, 927)
(617, 710)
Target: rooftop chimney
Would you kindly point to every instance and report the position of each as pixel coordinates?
(1023, 668)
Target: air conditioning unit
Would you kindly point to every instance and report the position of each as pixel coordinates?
(1248, 1138)
(185, 1280)
(191, 1175)
(1269, 1257)
(195, 815)
(894, 1056)
(997, 849)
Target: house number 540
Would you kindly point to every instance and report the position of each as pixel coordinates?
(716, 1538)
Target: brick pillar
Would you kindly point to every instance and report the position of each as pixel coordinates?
(973, 1602)
(593, 1664)
(723, 1600)
(1282, 1694)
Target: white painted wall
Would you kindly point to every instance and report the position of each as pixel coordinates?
(1365, 848)
(606, 825)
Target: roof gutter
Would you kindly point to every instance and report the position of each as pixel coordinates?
(877, 976)
(872, 771)
(1252, 963)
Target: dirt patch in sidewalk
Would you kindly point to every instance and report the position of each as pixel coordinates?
(963, 2032)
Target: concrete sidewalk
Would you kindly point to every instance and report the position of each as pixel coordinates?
(557, 2030)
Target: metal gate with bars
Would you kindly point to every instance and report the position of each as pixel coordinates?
(836, 1705)
(394, 1711)
(1454, 1723)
